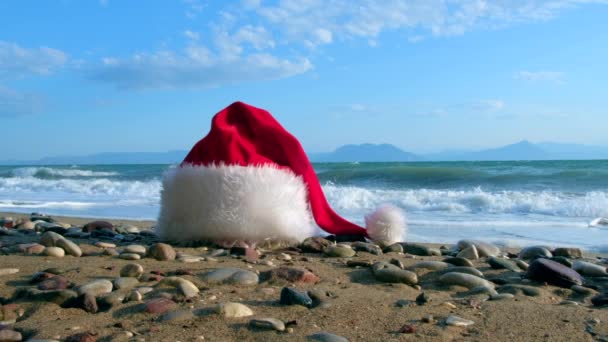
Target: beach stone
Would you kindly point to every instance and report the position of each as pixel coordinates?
(56, 282)
(326, 337)
(290, 274)
(545, 270)
(56, 252)
(89, 303)
(135, 296)
(27, 225)
(162, 252)
(113, 252)
(129, 256)
(518, 288)
(137, 249)
(159, 305)
(589, 269)
(125, 283)
(359, 263)
(7, 271)
(397, 263)
(522, 264)
(96, 287)
(500, 263)
(418, 249)
(234, 276)
(457, 321)
(111, 299)
(340, 251)
(233, 310)
(466, 280)
(389, 273)
(600, 299)
(69, 247)
(186, 287)
(102, 244)
(290, 296)
(49, 239)
(469, 253)
(501, 296)
(430, 265)
(97, 225)
(8, 335)
(9, 314)
(132, 270)
(30, 248)
(394, 248)
(464, 269)
(267, 324)
(40, 276)
(585, 291)
(178, 315)
(572, 253)
(459, 261)
(484, 249)
(423, 298)
(367, 247)
(534, 252)
(562, 260)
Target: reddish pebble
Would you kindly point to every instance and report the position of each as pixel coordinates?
(54, 283)
(96, 225)
(407, 329)
(160, 305)
(292, 274)
(82, 337)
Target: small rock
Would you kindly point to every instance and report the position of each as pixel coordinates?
(588, 269)
(135, 296)
(54, 252)
(178, 315)
(585, 291)
(89, 303)
(534, 251)
(31, 248)
(572, 253)
(97, 225)
(82, 337)
(367, 247)
(464, 269)
(56, 282)
(102, 244)
(326, 337)
(137, 249)
(291, 296)
(8, 335)
(159, 305)
(235, 276)
(267, 324)
(428, 319)
(358, 263)
(129, 256)
(96, 287)
(388, 273)
(467, 280)
(132, 270)
(545, 270)
(49, 239)
(522, 264)
(397, 263)
(69, 247)
(469, 253)
(125, 283)
(7, 271)
(456, 321)
(600, 299)
(501, 296)
(394, 248)
(500, 263)
(418, 249)
(423, 298)
(459, 261)
(484, 249)
(186, 287)
(430, 265)
(518, 288)
(290, 274)
(162, 252)
(340, 251)
(233, 310)
(315, 245)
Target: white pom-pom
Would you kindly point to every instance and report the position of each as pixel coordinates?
(387, 224)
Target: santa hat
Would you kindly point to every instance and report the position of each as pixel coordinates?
(250, 180)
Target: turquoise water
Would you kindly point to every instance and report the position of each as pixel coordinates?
(514, 203)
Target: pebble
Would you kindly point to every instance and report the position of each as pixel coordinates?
(233, 310)
(8, 335)
(96, 287)
(129, 256)
(125, 283)
(562, 260)
(589, 269)
(97, 225)
(30, 248)
(430, 265)
(367, 247)
(522, 264)
(7, 271)
(290, 296)
(394, 248)
(518, 288)
(267, 324)
(88, 302)
(132, 270)
(418, 249)
(358, 263)
(533, 252)
(459, 261)
(464, 269)
(545, 270)
(600, 300)
(585, 291)
(397, 263)
(572, 253)
(469, 253)
(137, 249)
(315, 245)
(102, 244)
(49, 239)
(423, 298)
(54, 252)
(457, 321)
(135, 296)
(186, 287)
(69, 247)
(501, 296)
(484, 249)
(56, 282)
(326, 337)
(178, 315)
(389, 273)
(291, 274)
(234, 276)
(162, 252)
(462, 279)
(159, 305)
(340, 251)
(500, 263)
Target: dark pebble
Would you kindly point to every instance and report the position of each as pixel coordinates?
(545, 270)
(291, 296)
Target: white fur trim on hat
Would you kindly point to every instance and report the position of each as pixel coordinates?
(387, 224)
(229, 202)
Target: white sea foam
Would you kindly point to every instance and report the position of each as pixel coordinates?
(59, 172)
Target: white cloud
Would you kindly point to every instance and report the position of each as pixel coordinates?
(541, 76)
(17, 61)
(191, 35)
(357, 107)
(14, 103)
(194, 8)
(251, 4)
(103, 3)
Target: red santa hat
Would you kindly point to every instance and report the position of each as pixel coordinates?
(250, 180)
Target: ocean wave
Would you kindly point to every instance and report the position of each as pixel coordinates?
(471, 201)
(49, 172)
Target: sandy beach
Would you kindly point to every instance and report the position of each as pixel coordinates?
(349, 297)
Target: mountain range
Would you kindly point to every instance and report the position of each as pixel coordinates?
(523, 150)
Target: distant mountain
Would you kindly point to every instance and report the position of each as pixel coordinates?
(525, 150)
(170, 157)
(365, 153)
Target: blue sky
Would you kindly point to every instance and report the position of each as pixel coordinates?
(80, 77)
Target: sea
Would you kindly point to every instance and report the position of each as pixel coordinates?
(511, 203)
